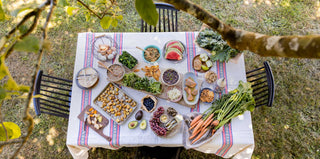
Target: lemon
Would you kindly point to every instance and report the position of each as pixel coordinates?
(204, 67)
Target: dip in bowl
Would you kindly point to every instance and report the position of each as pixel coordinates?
(118, 72)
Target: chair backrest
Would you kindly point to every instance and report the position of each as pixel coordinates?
(55, 95)
(262, 84)
(168, 19)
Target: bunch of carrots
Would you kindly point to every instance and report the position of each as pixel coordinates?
(222, 111)
(201, 125)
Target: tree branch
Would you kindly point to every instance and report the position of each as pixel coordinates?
(27, 117)
(13, 141)
(93, 12)
(264, 45)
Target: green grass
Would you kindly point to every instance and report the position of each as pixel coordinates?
(290, 129)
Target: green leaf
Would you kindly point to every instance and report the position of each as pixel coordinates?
(105, 22)
(63, 3)
(11, 85)
(28, 44)
(88, 16)
(70, 10)
(46, 44)
(3, 68)
(147, 10)
(3, 94)
(23, 88)
(114, 22)
(119, 17)
(2, 14)
(13, 131)
(3, 41)
(23, 29)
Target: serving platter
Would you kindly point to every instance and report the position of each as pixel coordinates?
(190, 75)
(104, 122)
(167, 133)
(119, 110)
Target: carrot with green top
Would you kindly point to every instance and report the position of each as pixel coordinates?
(199, 136)
(195, 120)
(194, 134)
(213, 131)
(215, 123)
(208, 119)
(194, 125)
(207, 124)
(200, 124)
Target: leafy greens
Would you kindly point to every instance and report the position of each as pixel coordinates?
(134, 81)
(220, 50)
(232, 104)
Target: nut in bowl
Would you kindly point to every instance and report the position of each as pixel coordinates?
(207, 95)
(170, 77)
(152, 54)
(116, 74)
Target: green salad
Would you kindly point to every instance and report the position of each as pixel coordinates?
(134, 81)
(128, 60)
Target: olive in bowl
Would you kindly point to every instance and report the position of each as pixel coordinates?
(170, 77)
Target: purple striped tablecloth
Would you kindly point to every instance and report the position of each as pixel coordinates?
(235, 140)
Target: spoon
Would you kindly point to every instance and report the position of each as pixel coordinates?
(144, 50)
(106, 67)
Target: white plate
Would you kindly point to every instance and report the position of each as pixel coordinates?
(184, 93)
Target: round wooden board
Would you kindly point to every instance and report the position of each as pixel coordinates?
(87, 78)
(203, 63)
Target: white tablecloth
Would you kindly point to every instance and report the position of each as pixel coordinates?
(236, 139)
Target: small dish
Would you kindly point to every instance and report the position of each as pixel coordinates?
(204, 67)
(164, 118)
(148, 108)
(173, 88)
(157, 56)
(127, 60)
(170, 77)
(210, 77)
(177, 51)
(118, 71)
(207, 95)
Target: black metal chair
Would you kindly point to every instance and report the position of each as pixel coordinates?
(262, 84)
(168, 19)
(55, 95)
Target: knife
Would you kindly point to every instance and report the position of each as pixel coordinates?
(84, 120)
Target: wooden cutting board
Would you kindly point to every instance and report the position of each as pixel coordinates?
(104, 122)
(163, 95)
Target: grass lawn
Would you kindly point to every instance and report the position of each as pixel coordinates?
(290, 129)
